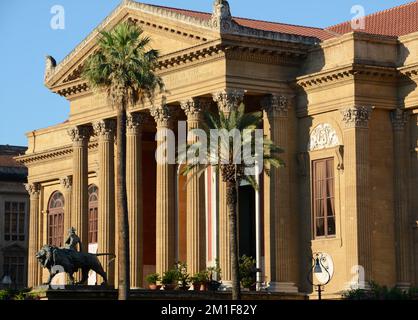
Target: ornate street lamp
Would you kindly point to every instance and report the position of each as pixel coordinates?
(322, 269)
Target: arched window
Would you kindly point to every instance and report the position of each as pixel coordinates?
(56, 219)
(93, 213)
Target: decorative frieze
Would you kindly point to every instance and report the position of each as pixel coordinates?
(228, 99)
(33, 189)
(356, 117)
(399, 119)
(323, 137)
(275, 105)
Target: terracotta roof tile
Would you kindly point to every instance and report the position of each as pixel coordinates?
(397, 21)
(262, 25)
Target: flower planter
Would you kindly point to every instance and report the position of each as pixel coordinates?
(154, 287)
(170, 287)
(196, 286)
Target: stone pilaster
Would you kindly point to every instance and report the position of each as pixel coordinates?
(196, 213)
(105, 132)
(134, 183)
(359, 227)
(280, 256)
(80, 137)
(227, 101)
(34, 270)
(402, 222)
(165, 197)
(67, 184)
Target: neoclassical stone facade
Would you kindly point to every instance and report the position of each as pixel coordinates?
(342, 105)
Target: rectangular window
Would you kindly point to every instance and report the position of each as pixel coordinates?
(14, 221)
(14, 266)
(323, 198)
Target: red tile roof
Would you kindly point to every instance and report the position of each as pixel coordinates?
(397, 21)
(262, 25)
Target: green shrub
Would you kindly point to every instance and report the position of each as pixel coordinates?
(170, 277)
(247, 271)
(377, 292)
(153, 278)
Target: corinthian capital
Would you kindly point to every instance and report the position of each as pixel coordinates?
(134, 122)
(67, 182)
(79, 133)
(194, 107)
(33, 189)
(356, 117)
(399, 119)
(228, 100)
(275, 105)
(163, 115)
(104, 129)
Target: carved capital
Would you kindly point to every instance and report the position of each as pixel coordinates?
(104, 129)
(356, 117)
(399, 119)
(228, 100)
(67, 182)
(275, 105)
(79, 134)
(194, 107)
(33, 189)
(163, 115)
(134, 123)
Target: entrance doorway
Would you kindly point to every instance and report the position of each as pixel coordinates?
(246, 221)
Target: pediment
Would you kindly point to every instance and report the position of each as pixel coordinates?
(169, 32)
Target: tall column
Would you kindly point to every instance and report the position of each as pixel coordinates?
(165, 197)
(280, 262)
(402, 222)
(80, 137)
(34, 270)
(227, 100)
(358, 216)
(105, 132)
(135, 196)
(67, 184)
(196, 213)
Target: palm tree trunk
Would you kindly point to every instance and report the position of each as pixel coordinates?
(122, 207)
(231, 189)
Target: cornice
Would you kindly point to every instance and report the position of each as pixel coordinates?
(51, 154)
(350, 71)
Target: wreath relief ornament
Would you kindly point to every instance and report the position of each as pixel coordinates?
(323, 137)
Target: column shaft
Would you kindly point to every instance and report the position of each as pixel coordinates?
(34, 270)
(165, 197)
(358, 220)
(79, 136)
(135, 197)
(105, 130)
(402, 221)
(196, 214)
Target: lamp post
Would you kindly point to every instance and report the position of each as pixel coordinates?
(320, 266)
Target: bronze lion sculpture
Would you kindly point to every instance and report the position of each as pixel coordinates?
(58, 260)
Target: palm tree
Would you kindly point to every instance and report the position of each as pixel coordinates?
(124, 67)
(221, 155)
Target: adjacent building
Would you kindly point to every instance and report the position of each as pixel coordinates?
(14, 214)
(342, 103)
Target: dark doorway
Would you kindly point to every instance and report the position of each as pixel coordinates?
(246, 221)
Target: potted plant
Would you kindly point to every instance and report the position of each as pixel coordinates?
(195, 282)
(170, 279)
(214, 277)
(248, 272)
(152, 280)
(183, 276)
(203, 279)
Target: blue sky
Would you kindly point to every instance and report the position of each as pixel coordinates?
(25, 104)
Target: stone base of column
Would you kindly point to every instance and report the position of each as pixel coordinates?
(282, 287)
(404, 286)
